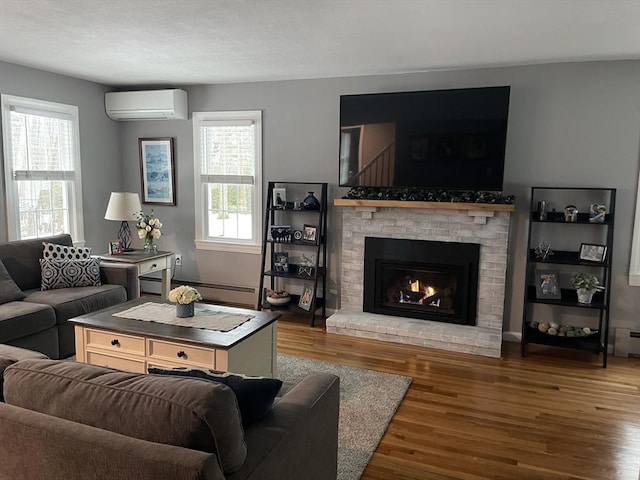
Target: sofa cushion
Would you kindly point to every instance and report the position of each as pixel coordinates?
(55, 251)
(9, 291)
(22, 259)
(20, 319)
(186, 412)
(70, 273)
(255, 394)
(4, 363)
(73, 302)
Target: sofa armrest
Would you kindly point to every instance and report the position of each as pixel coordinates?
(298, 438)
(36, 445)
(121, 274)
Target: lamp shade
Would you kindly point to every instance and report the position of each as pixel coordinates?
(123, 206)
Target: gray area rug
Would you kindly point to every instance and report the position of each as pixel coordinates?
(368, 401)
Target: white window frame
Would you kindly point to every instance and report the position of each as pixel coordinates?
(202, 241)
(634, 264)
(46, 108)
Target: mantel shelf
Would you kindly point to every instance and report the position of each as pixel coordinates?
(487, 207)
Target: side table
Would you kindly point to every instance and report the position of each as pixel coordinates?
(146, 263)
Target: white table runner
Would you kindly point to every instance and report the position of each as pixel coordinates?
(205, 316)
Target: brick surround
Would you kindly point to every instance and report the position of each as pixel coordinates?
(488, 228)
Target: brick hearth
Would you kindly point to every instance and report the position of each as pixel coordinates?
(487, 225)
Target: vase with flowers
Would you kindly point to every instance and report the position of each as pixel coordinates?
(184, 297)
(149, 230)
(586, 284)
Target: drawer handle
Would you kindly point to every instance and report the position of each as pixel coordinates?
(154, 265)
(115, 342)
(181, 354)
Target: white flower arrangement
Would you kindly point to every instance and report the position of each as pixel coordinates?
(148, 226)
(184, 294)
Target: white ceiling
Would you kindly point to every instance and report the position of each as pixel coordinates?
(176, 42)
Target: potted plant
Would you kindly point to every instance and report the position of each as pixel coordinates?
(586, 284)
(184, 297)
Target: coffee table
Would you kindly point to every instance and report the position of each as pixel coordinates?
(134, 345)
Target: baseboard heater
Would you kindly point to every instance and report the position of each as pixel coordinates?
(627, 343)
(217, 286)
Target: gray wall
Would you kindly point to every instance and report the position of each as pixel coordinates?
(570, 125)
(99, 143)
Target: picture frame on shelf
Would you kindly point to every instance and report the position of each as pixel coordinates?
(280, 233)
(279, 197)
(306, 298)
(157, 170)
(548, 285)
(116, 247)
(281, 261)
(590, 252)
(597, 213)
(309, 233)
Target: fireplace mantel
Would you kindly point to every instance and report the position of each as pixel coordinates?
(487, 207)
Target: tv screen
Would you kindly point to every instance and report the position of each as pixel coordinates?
(441, 139)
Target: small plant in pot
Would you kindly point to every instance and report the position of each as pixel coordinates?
(586, 284)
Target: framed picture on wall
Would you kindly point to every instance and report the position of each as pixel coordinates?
(157, 171)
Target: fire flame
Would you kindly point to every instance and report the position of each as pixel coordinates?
(427, 289)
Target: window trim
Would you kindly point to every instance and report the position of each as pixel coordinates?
(227, 245)
(634, 263)
(33, 106)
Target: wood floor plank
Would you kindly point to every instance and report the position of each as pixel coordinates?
(553, 415)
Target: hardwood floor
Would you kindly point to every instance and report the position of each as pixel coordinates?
(556, 414)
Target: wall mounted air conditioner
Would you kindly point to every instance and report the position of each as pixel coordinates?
(147, 105)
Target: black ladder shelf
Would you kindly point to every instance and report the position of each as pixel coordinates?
(293, 218)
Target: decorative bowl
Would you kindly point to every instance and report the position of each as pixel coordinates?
(279, 300)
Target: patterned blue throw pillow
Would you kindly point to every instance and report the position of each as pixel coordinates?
(69, 273)
(255, 395)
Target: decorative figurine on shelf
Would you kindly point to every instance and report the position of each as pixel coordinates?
(571, 213)
(307, 265)
(543, 251)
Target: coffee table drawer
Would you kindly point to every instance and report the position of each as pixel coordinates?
(153, 265)
(103, 360)
(181, 354)
(116, 342)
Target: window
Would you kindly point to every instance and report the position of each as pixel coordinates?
(228, 193)
(42, 168)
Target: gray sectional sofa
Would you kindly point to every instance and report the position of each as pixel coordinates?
(71, 420)
(37, 320)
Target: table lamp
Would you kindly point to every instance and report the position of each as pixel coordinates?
(123, 206)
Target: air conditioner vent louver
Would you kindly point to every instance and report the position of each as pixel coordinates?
(147, 105)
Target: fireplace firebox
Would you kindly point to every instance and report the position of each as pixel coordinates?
(422, 279)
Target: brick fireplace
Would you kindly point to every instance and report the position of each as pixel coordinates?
(483, 224)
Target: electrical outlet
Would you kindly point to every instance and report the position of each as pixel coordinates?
(178, 259)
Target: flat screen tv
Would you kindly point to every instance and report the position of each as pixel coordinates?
(440, 139)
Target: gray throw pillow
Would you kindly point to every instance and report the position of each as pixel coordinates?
(69, 273)
(9, 291)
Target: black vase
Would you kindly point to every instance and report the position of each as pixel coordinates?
(310, 202)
